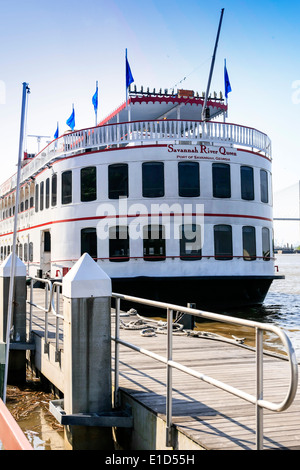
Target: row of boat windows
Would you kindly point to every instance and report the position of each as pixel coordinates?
(154, 243)
(190, 246)
(24, 252)
(153, 183)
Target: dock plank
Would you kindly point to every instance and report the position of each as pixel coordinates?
(214, 418)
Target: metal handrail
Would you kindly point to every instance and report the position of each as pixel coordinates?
(257, 400)
(49, 308)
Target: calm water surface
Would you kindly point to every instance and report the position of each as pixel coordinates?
(281, 307)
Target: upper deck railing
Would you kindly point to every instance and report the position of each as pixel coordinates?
(139, 133)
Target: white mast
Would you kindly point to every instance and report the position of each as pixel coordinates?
(203, 117)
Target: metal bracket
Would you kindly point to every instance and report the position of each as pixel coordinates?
(115, 418)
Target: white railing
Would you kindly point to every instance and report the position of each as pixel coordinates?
(259, 328)
(52, 306)
(139, 132)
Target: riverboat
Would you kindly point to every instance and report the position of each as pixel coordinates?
(172, 207)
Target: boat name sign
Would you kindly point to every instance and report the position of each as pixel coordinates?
(202, 151)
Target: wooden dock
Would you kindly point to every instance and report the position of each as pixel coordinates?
(207, 417)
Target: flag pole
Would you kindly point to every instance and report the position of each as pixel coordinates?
(96, 110)
(126, 75)
(13, 254)
(212, 67)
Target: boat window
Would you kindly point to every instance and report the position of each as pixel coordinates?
(47, 242)
(118, 244)
(30, 251)
(89, 241)
(153, 179)
(118, 180)
(36, 198)
(249, 243)
(221, 180)
(42, 195)
(47, 193)
(190, 242)
(31, 202)
(66, 187)
(154, 243)
(223, 242)
(26, 204)
(264, 193)
(25, 251)
(188, 179)
(88, 184)
(54, 190)
(266, 244)
(1, 253)
(247, 183)
(20, 255)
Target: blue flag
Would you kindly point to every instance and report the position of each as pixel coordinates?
(71, 121)
(95, 99)
(56, 133)
(129, 77)
(227, 82)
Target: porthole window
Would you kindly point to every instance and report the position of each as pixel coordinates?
(249, 243)
(154, 243)
(88, 184)
(264, 192)
(66, 191)
(118, 180)
(247, 183)
(190, 242)
(221, 180)
(118, 243)
(89, 241)
(188, 179)
(153, 179)
(223, 242)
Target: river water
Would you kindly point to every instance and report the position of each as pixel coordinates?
(281, 308)
(30, 404)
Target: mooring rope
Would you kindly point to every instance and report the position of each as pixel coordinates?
(160, 327)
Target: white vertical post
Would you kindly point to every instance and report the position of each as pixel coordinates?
(169, 378)
(87, 352)
(259, 388)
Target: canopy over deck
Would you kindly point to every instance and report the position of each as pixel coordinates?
(184, 105)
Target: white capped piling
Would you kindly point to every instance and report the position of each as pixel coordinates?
(87, 352)
(16, 369)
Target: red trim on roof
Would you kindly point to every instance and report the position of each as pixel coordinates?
(163, 99)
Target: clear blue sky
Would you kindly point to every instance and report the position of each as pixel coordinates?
(62, 47)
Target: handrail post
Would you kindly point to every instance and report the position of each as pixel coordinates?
(57, 351)
(169, 377)
(30, 310)
(259, 388)
(46, 345)
(117, 352)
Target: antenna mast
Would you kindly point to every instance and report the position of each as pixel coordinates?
(203, 116)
